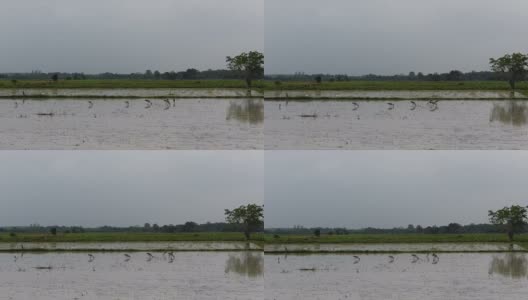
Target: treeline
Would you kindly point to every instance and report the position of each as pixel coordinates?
(453, 75)
(189, 74)
(451, 228)
(147, 227)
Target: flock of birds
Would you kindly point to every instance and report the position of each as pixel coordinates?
(429, 257)
(148, 103)
(166, 256)
(432, 104)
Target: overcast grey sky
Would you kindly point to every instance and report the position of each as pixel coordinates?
(391, 36)
(126, 36)
(357, 189)
(93, 188)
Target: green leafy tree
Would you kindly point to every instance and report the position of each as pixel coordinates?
(511, 218)
(250, 216)
(514, 65)
(250, 64)
(55, 77)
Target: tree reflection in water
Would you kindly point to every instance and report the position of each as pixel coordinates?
(249, 264)
(512, 265)
(511, 112)
(249, 110)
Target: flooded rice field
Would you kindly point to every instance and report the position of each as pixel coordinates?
(396, 247)
(131, 124)
(138, 275)
(409, 124)
(131, 246)
(88, 92)
(399, 276)
(473, 94)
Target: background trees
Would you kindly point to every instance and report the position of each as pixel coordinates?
(514, 65)
(251, 216)
(250, 65)
(512, 219)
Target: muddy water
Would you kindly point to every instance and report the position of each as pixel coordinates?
(131, 124)
(393, 94)
(135, 246)
(130, 92)
(453, 124)
(453, 276)
(190, 275)
(396, 247)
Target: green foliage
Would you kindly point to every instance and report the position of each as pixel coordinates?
(53, 231)
(250, 64)
(251, 216)
(127, 237)
(515, 65)
(130, 84)
(391, 238)
(364, 85)
(511, 218)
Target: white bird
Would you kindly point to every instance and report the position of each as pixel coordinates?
(391, 259)
(391, 105)
(356, 106)
(357, 259)
(149, 103)
(413, 105)
(90, 104)
(90, 258)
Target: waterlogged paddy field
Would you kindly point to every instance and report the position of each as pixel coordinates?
(188, 275)
(375, 276)
(393, 247)
(130, 246)
(389, 124)
(410, 94)
(116, 92)
(66, 124)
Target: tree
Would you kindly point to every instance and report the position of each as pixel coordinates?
(514, 65)
(189, 226)
(251, 216)
(250, 64)
(148, 74)
(53, 231)
(317, 232)
(157, 75)
(318, 78)
(512, 219)
(55, 77)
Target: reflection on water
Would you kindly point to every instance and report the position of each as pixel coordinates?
(512, 265)
(395, 125)
(512, 112)
(249, 110)
(246, 264)
(139, 124)
(126, 275)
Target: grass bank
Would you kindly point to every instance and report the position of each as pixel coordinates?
(127, 237)
(127, 84)
(521, 239)
(396, 85)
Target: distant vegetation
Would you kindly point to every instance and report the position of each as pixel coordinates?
(130, 83)
(125, 236)
(187, 227)
(391, 238)
(451, 228)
